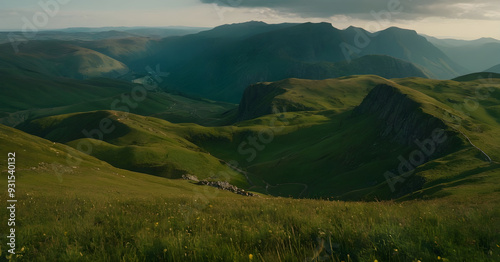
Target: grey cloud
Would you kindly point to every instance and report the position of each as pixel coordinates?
(363, 9)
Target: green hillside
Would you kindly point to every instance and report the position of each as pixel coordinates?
(339, 94)
(351, 149)
(28, 95)
(61, 169)
(137, 143)
(88, 210)
(477, 76)
(352, 130)
(59, 58)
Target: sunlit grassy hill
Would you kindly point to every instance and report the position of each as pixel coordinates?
(137, 143)
(73, 207)
(341, 138)
(28, 95)
(59, 58)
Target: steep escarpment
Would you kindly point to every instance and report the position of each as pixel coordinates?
(411, 119)
(292, 95)
(404, 119)
(257, 100)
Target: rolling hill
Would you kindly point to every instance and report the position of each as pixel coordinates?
(28, 95)
(61, 168)
(56, 58)
(484, 76)
(353, 130)
(360, 144)
(88, 210)
(133, 142)
(494, 69)
(338, 94)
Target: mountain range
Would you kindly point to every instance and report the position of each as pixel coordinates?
(220, 63)
(250, 142)
(475, 55)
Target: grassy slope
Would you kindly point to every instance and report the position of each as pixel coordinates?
(345, 152)
(59, 58)
(348, 154)
(93, 211)
(22, 90)
(338, 95)
(137, 143)
(475, 104)
(28, 95)
(477, 76)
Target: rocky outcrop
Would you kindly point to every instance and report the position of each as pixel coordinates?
(257, 100)
(264, 98)
(190, 177)
(403, 118)
(223, 185)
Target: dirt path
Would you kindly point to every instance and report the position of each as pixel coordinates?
(245, 173)
(472, 144)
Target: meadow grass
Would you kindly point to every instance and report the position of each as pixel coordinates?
(71, 226)
(95, 212)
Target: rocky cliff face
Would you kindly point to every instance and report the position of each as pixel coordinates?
(257, 100)
(404, 120)
(260, 99)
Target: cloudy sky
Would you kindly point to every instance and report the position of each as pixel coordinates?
(442, 18)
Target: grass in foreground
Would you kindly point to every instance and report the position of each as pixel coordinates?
(95, 212)
(75, 227)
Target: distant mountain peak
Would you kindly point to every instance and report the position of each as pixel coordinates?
(400, 30)
(252, 22)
